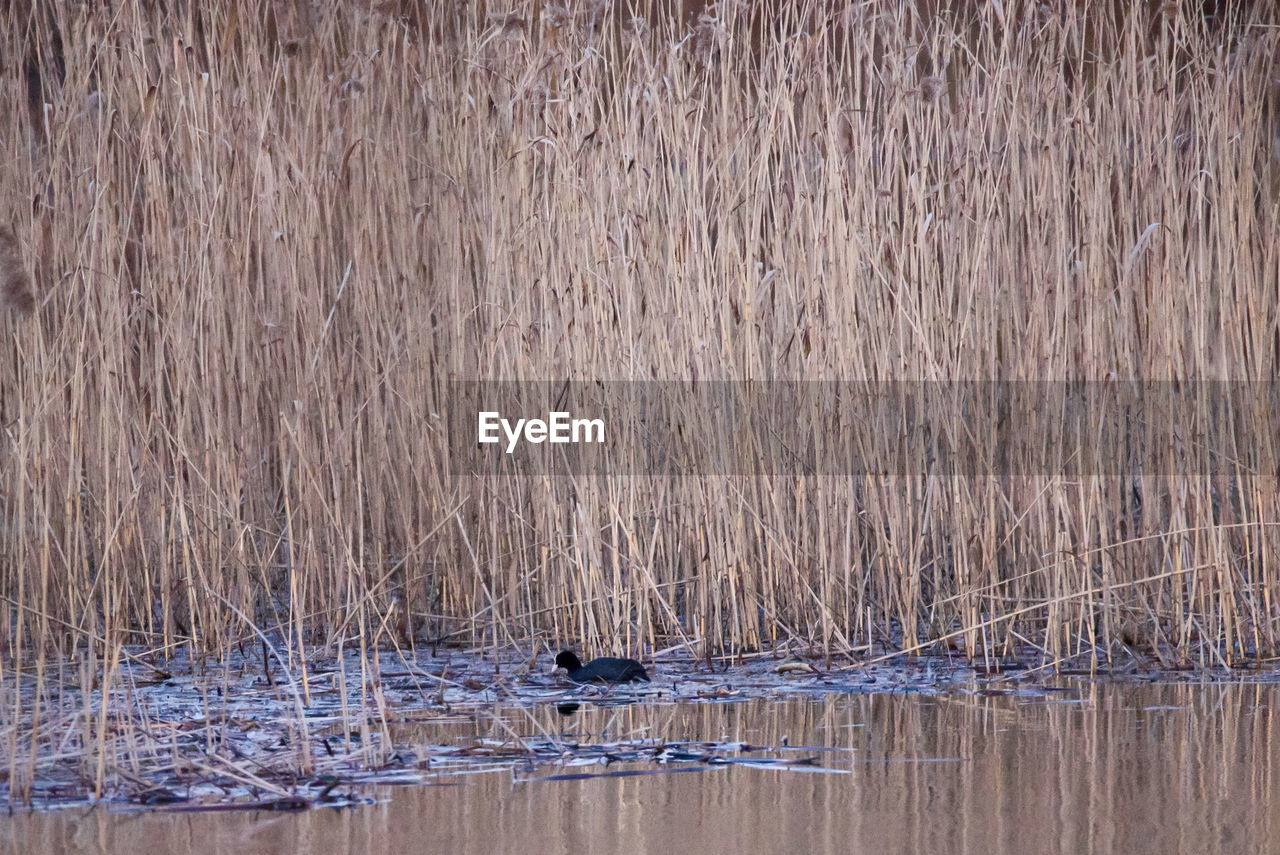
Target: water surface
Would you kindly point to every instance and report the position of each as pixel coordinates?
(1094, 769)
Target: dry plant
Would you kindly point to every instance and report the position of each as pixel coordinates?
(267, 236)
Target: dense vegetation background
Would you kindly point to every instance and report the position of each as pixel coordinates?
(263, 237)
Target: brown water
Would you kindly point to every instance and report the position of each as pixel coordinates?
(1145, 768)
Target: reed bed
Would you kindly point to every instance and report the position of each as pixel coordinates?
(253, 243)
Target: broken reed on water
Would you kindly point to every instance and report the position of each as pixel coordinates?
(265, 239)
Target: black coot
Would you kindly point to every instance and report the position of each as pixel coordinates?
(606, 669)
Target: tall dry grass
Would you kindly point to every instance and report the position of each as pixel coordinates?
(264, 237)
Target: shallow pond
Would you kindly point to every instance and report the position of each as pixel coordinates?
(1091, 767)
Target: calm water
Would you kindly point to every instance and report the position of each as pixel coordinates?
(1156, 768)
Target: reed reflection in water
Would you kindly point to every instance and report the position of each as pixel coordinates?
(1147, 768)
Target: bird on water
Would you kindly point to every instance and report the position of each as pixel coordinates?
(606, 669)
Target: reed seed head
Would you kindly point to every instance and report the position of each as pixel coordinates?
(15, 282)
(933, 89)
